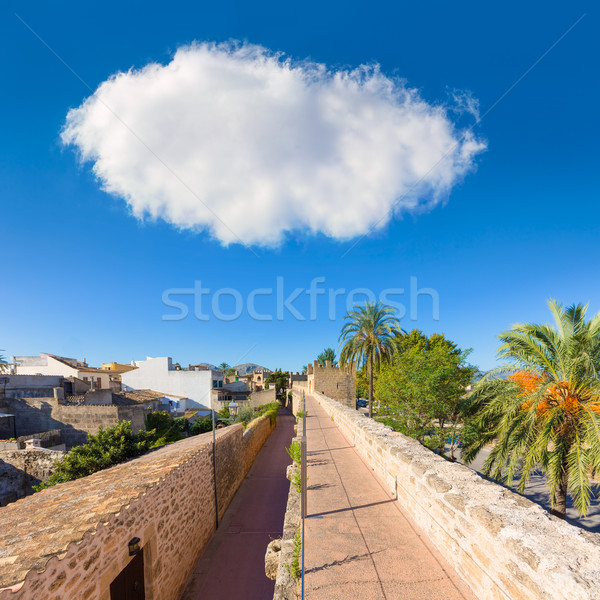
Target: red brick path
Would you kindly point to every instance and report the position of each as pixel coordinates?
(233, 565)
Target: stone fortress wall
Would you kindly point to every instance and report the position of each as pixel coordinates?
(35, 415)
(338, 383)
(504, 546)
(20, 470)
(71, 540)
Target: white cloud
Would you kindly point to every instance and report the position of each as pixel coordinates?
(267, 144)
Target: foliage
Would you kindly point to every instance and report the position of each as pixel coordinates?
(369, 336)
(543, 407)
(271, 410)
(226, 369)
(327, 354)
(295, 452)
(2, 363)
(245, 415)
(280, 379)
(114, 445)
(201, 425)
(304, 369)
(108, 447)
(295, 569)
(164, 429)
(420, 391)
(362, 382)
(297, 480)
(224, 413)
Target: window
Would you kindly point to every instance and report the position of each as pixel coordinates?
(215, 382)
(85, 379)
(220, 383)
(99, 383)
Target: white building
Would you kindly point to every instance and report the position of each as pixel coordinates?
(199, 388)
(50, 364)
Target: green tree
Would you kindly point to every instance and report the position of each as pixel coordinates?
(362, 382)
(116, 444)
(369, 336)
(3, 365)
(226, 370)
(163, 429)
(543, 407)
(421, 388)
(417, 339)
(280, 379)
(108, 447)
(327, 354)
(202, 425)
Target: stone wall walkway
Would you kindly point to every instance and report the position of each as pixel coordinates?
(359, 544)
(233, 564)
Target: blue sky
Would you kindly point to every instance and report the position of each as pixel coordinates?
(83, 277)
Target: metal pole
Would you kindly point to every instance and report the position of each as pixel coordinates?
(215, 470)
(303, 477)
(304, 438)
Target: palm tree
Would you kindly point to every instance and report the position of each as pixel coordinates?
(369, 336)
(2, 363)
(327, 354)
(544, 407)
(225, 370)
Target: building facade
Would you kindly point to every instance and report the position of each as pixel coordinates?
(51, 364)
(197, 388)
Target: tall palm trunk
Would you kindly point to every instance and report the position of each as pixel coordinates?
(371, 386)
(559, 509)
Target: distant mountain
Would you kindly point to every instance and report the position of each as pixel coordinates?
(248, 368)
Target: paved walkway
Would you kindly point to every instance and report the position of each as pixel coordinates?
(359, 544)
(233, 565)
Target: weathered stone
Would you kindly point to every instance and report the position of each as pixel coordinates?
(555, 560)
(272, 559)
(524, 553)
(457, 501)
(71, 540)
(491, 522)
(437, 483)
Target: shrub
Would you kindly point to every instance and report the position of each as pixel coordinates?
(245, 415)
(115, 445)
(163, 429)
(201, 426)
(295, 452)
(294, 568)
(297, 480)
(108, 447)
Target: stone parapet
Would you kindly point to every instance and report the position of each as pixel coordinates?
(503, 546)
(71, 540)
(286, 587)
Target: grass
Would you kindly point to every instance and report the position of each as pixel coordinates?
(294, 568)
(295, 452)
(297, 480)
